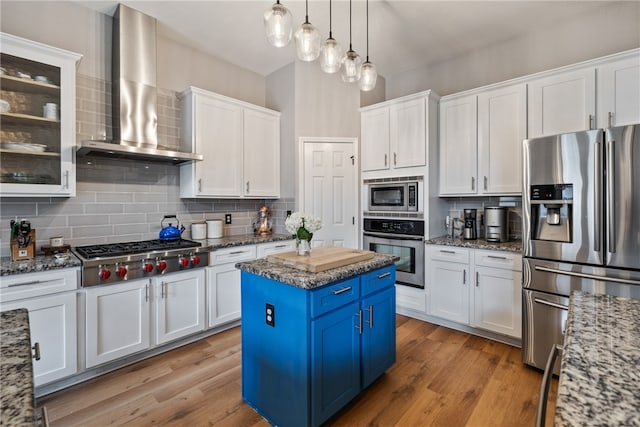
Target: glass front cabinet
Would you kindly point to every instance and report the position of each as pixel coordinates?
(38, 119)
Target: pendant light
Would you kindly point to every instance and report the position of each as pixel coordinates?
(278, 25)
(351, 66)
(307, 39)
(331, 52)
(369, 74)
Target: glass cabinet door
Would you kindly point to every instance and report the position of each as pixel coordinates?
(37, 120)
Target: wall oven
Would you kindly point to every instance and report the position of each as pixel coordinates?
(393, 196)
(403, 238)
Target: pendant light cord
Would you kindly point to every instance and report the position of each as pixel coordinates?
(367, 30)
(330, 34)
(350, 48)
(306, 12)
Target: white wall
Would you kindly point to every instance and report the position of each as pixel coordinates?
(610, 29)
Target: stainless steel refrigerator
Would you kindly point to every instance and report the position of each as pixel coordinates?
(581, 227)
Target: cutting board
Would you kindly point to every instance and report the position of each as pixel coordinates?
(321, 258)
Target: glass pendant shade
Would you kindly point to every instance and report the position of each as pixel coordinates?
(307, 42)
(330, 56)
(278, 25)
(351, 67)
(369, 76)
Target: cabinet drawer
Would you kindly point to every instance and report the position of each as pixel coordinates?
(37, 284)
(234, 254)
(499, 259)
(449, 253)
(377, 280)
(334, 295)
(265, 249)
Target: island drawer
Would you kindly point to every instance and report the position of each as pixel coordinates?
(377, 280)
(334, 295)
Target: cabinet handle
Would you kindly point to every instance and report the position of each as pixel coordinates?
(359, 325)
(341, 291)
(385, 160)
(236, 252)
(610, 120)
(36, 351)
(485, 182)
(200, 185)
(447, 252)
(163, 289)
(591, 121)
(280, 246)
(473, 184)
(477, 279)
(504, 258)
(33, 282)
(464, 277)
(551, 304)
(383, 275)
(66, 180)
(247, 187)
(370, 310)
(146, 293)
(395, 159)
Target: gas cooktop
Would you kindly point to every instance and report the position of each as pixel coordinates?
(132, 248)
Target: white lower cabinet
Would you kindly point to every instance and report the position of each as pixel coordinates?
(52, 306)
(223, 283)
(179, 305)
(117, 321)
(449, 283)
(479, 288)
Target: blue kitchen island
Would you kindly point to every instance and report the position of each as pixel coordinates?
(311, 342)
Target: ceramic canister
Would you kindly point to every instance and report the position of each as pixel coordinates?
(214, 228)
(198, 230)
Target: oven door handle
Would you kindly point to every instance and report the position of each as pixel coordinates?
(393, 236)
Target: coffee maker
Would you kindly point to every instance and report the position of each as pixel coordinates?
(469, 231)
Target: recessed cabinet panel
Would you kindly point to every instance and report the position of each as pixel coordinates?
(375, 139)
(407, 126)
(261, 154)
(37, 124)
(619, 92)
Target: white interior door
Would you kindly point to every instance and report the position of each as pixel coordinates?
(329, 189)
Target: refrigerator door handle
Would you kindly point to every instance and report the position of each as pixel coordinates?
(611, 173)
(588, 276)
(597, 203)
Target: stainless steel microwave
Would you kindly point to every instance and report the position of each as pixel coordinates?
(396, 196)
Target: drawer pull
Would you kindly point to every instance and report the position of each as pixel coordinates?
(36, 351)
(280, 246)
(341, 291)
(236, 252)
(383, 275)
(504, 258)
(447, 252)
(34, 282)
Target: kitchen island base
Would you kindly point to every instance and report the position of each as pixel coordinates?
(306, 353)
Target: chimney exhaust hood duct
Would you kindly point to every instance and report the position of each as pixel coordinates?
(135, 96)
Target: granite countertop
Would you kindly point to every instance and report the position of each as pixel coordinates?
(242, 240)
(17, 403)
(512, 246)
(39, 263)
(305, 280)
(599, 376)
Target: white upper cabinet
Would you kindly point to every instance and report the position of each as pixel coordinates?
(36, 150)
(458, 146)
(619, 92)
(562, 102)
(395, 133)
(240, 143)
(502, 125)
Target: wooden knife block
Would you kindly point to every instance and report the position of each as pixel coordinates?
(27, 252)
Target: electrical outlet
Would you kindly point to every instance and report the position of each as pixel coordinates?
(227, 218)
(288, 214)
(270, 315)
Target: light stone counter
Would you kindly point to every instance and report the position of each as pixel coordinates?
(600, 369)
(512, 246)
(242, 240)
(16, 376)
(305, 280)
(39, 263)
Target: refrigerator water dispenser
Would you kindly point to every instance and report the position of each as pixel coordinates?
(551, 212)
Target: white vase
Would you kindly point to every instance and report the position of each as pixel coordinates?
(304, 247)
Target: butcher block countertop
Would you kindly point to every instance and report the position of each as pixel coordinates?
(309, 280)
(599, 377)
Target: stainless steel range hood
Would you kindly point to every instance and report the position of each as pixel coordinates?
(135, 96)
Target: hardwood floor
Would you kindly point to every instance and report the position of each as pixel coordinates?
(442, 377)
